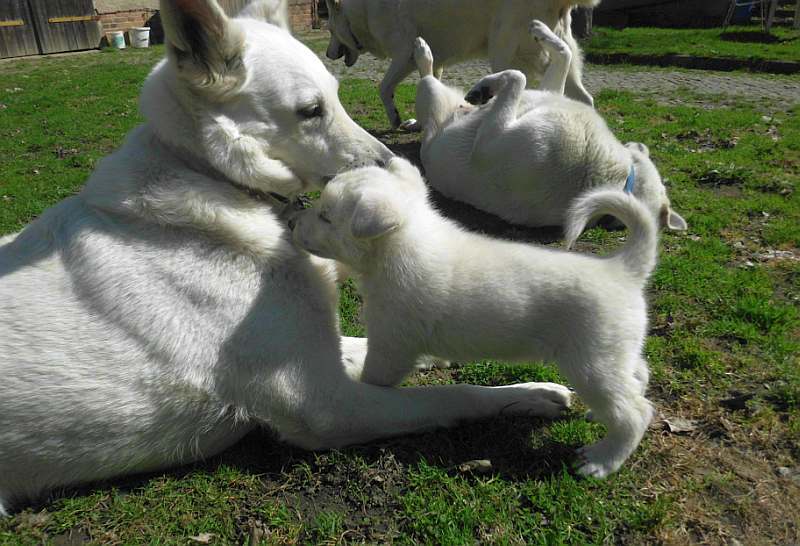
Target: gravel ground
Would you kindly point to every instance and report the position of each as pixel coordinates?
(773, 92)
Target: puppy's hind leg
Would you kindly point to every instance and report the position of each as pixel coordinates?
(555, 76)
(617, 401)
(505, 88)
(435, 102)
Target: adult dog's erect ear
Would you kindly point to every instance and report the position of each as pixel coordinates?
(374, 216)
(275, 12)
(206, 46)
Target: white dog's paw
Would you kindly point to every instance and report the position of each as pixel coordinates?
(428, 362)
(411, 125)
(537, 399)
(542, 33)
(489, 86)
(597, 460)
(423, 57)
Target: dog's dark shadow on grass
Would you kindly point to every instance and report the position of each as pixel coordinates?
(752, 37)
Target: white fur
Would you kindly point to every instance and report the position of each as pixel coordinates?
(526, 154)
(160, 314)
(457, 30)
(430, 287)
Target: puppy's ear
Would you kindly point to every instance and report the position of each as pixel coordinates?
(638, 146)
(672, 220)
(408, 173)
(275, 12)
(206, 46)
(374, 216)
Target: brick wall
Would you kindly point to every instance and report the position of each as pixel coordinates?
(302, 16)
(123, 20)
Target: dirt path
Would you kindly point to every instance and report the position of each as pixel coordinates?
(773, 92)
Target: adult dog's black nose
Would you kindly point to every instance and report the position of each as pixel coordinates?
(292, 222)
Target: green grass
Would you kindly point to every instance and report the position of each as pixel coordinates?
(742, 42)
(724, 322)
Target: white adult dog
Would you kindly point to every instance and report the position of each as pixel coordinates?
(430, 287)
(163, 312)
(524, 155)
(457, 30)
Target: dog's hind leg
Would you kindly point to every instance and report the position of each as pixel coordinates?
(573, 87)
(555, 76)
(435, 102)
(399, 69)
(505, 88)
(616, 400)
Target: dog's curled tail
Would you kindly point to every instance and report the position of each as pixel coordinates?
(638, 256)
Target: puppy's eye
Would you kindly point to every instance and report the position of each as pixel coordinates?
(324, 218)
(309, 112)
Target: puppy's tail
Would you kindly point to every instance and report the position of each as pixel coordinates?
(638, 255)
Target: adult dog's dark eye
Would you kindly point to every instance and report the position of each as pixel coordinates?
(309, 112)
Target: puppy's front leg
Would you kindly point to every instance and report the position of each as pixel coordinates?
(387, 365)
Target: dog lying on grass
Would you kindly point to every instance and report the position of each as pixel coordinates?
(457, 31)
(524, 155)
(163, 312)
(430, 287)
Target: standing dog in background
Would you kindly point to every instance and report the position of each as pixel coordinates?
(163, 312)
(456, 30)
(525, 154)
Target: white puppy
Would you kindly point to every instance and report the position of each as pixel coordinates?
(430, 287)
(526, 154)
(457, 30)
(163, 312)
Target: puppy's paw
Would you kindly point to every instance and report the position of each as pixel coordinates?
(489, 86)
(427, 362)
(411, 126)
(597, 460)
(538, 399)
(480, 94)
(423, 57)
(547, 38)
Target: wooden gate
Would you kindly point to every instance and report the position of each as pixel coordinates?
(65, 25)
(17, 35)
(28, 27)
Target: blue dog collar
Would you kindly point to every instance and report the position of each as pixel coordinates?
(630, 181)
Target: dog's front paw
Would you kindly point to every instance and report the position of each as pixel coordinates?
(539, 399)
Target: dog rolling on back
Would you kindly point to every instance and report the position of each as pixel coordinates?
(457, 30)
(524, 155)
(430, 287)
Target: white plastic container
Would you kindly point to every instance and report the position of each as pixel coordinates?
(140, 36)
(117, 39)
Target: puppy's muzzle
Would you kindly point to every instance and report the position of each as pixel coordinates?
(479, 96)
